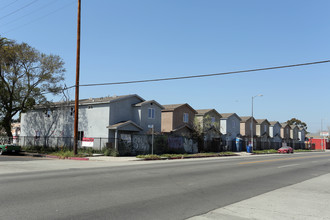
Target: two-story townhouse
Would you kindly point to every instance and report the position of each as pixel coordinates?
(294, 135)
(262, 132)
(178, 119)
(285, 134)
(248, 128)
(302, 137)
(107, 120)
(209, 121)
(207, 124)
(230, 129)
(275, 134)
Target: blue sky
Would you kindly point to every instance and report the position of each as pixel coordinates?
(133, 40)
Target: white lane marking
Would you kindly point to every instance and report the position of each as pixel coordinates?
(291, 165)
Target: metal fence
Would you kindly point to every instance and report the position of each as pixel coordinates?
(146, 144)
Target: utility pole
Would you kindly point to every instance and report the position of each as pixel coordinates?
(260, 95)
(76, 103)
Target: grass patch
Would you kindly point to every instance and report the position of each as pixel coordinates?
(270, 151)
(302, 150)
(149, 157)
(184, 156)
(66, 154)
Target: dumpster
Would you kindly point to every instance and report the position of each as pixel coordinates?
(249, 149)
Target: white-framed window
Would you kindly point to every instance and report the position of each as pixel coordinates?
(151, 113)
(185, 117)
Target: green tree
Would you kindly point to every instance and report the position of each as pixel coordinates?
(25, 76)
(295, 121)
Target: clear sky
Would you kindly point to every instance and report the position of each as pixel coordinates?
(144, 39)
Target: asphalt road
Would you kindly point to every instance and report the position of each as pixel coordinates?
(159, 190)
(16, 157)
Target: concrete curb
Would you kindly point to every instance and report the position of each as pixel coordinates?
(66, 158)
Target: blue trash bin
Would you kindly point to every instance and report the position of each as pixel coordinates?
(249, 149)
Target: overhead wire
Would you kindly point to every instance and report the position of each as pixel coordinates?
(17, 10)
(23, 16)
(6, 6)
(203, 75)
(198, 76)
(41, 17)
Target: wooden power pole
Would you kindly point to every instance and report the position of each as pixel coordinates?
(76, 105)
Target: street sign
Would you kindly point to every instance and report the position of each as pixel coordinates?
(324, 133)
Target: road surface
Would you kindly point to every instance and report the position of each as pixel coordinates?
(177, 189)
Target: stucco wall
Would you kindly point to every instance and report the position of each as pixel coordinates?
(245, 128)
(178, 116)
(122, 110)
(145, 120)
(232, 127)
(92, 121)
(167, 121)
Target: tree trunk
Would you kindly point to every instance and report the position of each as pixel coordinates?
(6, 124)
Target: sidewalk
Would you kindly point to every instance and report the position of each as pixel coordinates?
(307, 200)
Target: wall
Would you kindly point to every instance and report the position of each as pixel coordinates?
(178, 116)
(60, 122)
(223, 126)
(167, 122)
(122, 110)
(145, 121)
(245, 128)
(233, 127)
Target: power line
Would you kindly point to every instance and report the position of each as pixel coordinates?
(6, 6)
(17, 10)
(204, 75)
(197, 76)
(41, 17)
(38, 9)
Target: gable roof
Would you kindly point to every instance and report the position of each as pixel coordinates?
(147, 102)
(125, 125)
(272, 123)
(294, 126)
(201, 112)
(246, 118)
(172, 107)
(260, 121)
(228, 115)
(182, 127)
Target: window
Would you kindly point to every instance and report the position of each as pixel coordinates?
(72, 111)
(151, 113)
(185, 117)
(80, 135)
(265, 128)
